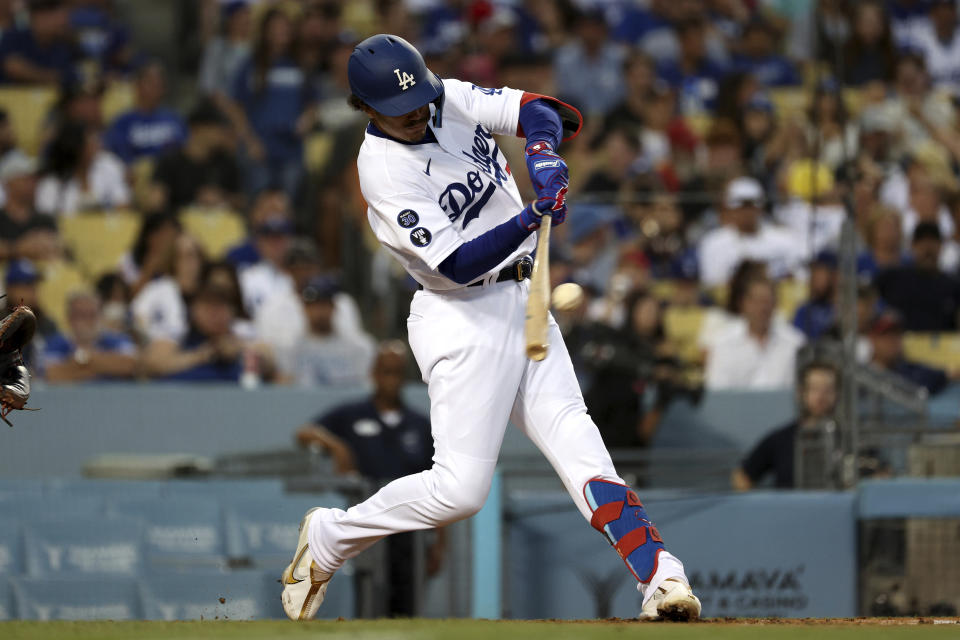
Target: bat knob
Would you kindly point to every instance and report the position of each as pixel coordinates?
(537, 352)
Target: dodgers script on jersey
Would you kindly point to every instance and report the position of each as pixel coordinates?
(426, 199)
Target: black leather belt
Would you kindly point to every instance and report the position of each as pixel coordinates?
(519, 271)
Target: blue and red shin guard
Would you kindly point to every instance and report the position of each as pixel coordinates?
(619, 515)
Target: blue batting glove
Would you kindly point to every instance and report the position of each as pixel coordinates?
(548, 173)
(530, 217)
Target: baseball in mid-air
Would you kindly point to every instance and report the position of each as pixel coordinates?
(567, 296)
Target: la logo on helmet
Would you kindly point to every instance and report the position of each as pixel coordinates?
(406, 80)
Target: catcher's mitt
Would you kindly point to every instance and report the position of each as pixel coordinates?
(16, 331)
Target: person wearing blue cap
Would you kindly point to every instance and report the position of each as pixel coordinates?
(272, 237)
(325, 356)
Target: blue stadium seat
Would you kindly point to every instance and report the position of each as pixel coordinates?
(83, 546)
(183, 531)
(7, 612)
(11, 547)
(195, 595)
(76, 598)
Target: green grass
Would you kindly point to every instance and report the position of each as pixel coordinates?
(472, 629)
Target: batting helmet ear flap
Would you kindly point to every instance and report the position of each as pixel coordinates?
(438, 105)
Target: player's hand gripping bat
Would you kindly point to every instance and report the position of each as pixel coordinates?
(538, 304)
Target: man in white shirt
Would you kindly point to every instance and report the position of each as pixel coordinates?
(938, 38)
(745, 236)
(758, 353)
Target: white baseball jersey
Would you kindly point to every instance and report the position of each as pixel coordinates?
(426, 199)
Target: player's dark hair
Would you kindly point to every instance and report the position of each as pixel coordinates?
(356, 103)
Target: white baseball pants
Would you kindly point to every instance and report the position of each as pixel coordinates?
(470, 347)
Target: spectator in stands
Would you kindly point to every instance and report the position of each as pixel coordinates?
(323, 356)
(774, 455)
(381, 438)
(150, 255)
(758, 353)
(926, 298)
(223, 56)
(160, 308)
(102, 38)
(21, 288)
(587, 70)
(272, 239)
(828, 130)
(149, 129)
(275, 107)
(115, 303)
(639, 75)
(23, 232)
(759, 57)
(884, 234)
(818, 314)
(209, 352)
(78, 175)
(620, 153)
(886, 344)
(938, 38)
(916, 113)
(694, 76)
(721, 162)
(925, 204)
(765, 144)
(269, 203)
(90, 353)
(281, 320)
(870, 54)
(41, 52)
(203, 172)
(744, 235)
(80, 102)
(620, 366)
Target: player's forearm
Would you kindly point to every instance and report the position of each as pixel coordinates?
(475, 257)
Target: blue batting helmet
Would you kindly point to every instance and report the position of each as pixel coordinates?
(389, 74)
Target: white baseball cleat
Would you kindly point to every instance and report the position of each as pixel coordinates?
(673, 600)
(304, 586)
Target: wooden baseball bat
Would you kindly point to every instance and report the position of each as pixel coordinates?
(538, 304)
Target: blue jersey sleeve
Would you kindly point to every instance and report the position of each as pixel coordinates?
(541, 122)
(475, 257)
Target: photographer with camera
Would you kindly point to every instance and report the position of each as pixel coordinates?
(619, 367)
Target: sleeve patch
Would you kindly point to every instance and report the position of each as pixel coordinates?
(420, 237)
(408, 218)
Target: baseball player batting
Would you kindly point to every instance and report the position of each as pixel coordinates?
(442, 199)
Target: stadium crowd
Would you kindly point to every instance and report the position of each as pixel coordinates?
(725, 142)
